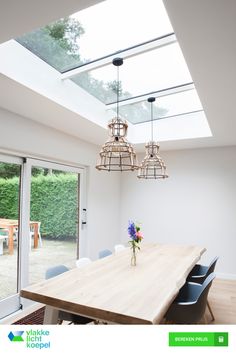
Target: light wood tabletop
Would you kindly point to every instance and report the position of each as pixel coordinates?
(112, 290)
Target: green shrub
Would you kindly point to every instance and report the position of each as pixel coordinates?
(54, 202)
(9, 198)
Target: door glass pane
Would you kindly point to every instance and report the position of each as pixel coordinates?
(9, 216)
(54, 228)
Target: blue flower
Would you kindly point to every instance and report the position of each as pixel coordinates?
(132, 230)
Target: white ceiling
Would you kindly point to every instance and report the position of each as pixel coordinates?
(205, 30)
(19, 17)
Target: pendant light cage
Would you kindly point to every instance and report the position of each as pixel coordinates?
(117, 154)
(152, 166)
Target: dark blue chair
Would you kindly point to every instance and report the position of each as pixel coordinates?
(198, 275)
(190, 304)
(63, 315)
(200, 272)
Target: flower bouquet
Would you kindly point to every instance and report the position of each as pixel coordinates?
(136, 237)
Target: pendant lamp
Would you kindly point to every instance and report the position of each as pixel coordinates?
(152, 166)
(117, 154)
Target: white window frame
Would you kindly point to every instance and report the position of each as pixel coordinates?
(14, 302)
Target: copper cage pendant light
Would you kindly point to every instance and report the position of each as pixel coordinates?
(152, 166)
(117, 154)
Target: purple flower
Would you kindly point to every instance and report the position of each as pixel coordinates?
(132, 230)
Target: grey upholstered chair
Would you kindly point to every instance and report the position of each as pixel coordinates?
(63, 315)
(104, 253)
(198, 275)
(54, 271)
(190, 304)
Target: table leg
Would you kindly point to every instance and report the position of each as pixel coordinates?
(50, 315)
(36, 235)
(10, 239)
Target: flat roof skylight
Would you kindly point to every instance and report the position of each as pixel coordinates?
(164, 107)
(100, 30)
(81, 48)
(154, 70)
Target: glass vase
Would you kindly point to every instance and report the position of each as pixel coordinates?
(133, 256)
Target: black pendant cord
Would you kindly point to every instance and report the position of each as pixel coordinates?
(117, 93)
(152, 120)
(151, 100)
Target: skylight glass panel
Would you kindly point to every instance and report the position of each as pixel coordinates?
(151, 71)
(98, 31)
(166, 106)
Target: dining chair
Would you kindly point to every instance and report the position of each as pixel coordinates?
(198, 275)
(190, 304)
(104, 253)
(119, 248)
(31, 232)
(82, 262)
(63, 315)
(3, 238)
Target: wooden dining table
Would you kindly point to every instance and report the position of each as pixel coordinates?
(112, 290)
(11, 226)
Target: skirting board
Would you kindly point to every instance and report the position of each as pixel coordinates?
(227, 276)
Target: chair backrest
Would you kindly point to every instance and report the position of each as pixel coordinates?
(119, 248)
(212, 265)
(104, 253)
(54, 271)
(82, 262)
(203, 294)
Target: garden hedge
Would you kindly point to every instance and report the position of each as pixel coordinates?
(54, 202)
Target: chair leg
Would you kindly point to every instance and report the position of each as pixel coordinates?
(210, 310)
(205, 319)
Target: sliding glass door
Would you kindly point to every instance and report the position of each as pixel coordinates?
(10, 187)
(41, 207)
(54, 218)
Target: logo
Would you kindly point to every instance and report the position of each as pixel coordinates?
(36, 339)
(16, 336)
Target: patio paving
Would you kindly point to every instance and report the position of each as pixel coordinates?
(52, 253)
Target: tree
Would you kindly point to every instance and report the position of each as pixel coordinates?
(8, 170)
(66, 32)
(58, 44)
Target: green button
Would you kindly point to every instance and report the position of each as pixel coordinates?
(198, 339)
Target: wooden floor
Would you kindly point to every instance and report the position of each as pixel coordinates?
(222, 299)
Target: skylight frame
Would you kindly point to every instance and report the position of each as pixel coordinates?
(151, 45)
(102, 106)
(141, 48)
(160, 93)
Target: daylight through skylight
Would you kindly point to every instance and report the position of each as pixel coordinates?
(83, 45)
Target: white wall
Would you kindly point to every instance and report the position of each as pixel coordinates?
(30, 138)
(196, 205)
